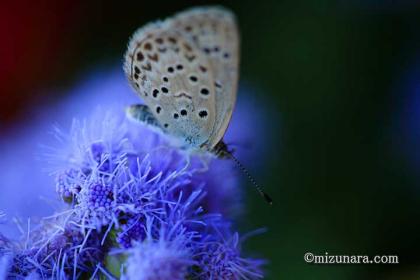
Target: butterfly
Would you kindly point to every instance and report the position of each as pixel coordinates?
(185, 69)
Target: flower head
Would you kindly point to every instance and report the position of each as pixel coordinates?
(219, 256)
(131, 231)
(115, 178)
(129, 190)
(165, 256)
(160, 244)
(157, 260)
(54, 249)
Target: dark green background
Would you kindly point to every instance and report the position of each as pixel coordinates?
(331, 70)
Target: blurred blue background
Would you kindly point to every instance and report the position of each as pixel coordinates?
(338, 85)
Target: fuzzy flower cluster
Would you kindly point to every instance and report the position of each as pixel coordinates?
(138, 208)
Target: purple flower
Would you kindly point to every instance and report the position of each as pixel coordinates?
(218, 255)
(129, 190)
(157, 260)
(165, 256)
(221, 185)
(109, 167)
(131, 230)
(55, 249)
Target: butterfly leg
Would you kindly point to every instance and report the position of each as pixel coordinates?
(187, 164)
(204, 160)
(199, 162)
(142, 113)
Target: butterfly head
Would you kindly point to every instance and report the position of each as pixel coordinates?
(221, 150)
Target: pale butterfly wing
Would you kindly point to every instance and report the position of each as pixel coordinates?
(214, 32)
(174, 79)
(186, 70)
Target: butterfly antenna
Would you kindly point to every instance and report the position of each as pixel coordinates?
(266, 197)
